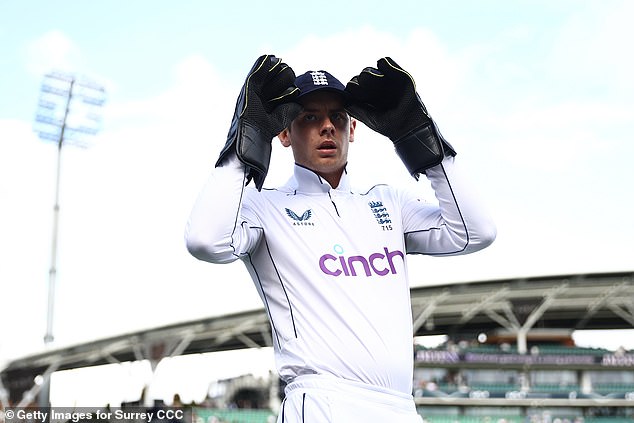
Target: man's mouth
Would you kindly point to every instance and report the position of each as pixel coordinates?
(327, 145)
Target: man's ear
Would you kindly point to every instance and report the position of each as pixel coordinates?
(353, 126)
(284, 138)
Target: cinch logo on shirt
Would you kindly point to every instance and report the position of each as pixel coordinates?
(376, 263)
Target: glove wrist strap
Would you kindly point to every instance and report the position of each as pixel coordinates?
(252, 147)
(421, 148)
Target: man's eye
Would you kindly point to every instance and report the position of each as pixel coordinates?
(337, 116)
(309, 117)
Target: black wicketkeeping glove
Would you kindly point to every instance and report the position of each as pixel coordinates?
(263, 109)
(385, 99)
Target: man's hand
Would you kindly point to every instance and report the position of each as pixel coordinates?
(264, 108)
(385, 99)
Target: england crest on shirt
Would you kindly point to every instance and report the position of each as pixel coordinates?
(381, 214)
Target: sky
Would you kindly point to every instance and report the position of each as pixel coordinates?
(536, 96)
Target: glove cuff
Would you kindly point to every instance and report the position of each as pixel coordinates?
(422, 148)
(252, 147)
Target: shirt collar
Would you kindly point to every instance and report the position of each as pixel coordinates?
(306, 180)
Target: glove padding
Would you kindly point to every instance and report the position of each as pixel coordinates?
(385, 99)
(263, 109)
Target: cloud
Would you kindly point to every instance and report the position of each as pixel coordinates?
(592, 48)
(126, 199)
(197, 96)
(438, 73)
(53, 50)
(26, 194)
(124, 205)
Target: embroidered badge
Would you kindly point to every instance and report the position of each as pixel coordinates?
(381, 214)
(319, 78)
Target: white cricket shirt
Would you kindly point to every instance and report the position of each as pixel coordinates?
(330, 264)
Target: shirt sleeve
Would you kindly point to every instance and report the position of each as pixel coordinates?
(217, 230)
(458, 224)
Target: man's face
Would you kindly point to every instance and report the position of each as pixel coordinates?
(320, 135)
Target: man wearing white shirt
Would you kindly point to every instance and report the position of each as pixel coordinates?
(329, 261)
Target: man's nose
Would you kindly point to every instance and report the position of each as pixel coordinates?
(327, 127)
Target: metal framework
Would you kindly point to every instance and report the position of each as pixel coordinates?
(577, 302)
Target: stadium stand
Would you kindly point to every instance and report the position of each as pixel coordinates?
(209, 415)
(509, 354)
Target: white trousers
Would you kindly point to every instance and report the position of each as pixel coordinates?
(325, 399)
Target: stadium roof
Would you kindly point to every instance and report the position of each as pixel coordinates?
(574, 302)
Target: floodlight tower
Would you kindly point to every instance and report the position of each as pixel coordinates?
(68, 112)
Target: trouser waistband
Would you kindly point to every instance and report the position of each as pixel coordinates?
(359, 390)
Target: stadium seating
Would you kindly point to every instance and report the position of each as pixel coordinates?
(228, 415)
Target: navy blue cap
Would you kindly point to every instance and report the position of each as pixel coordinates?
(319, 80)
